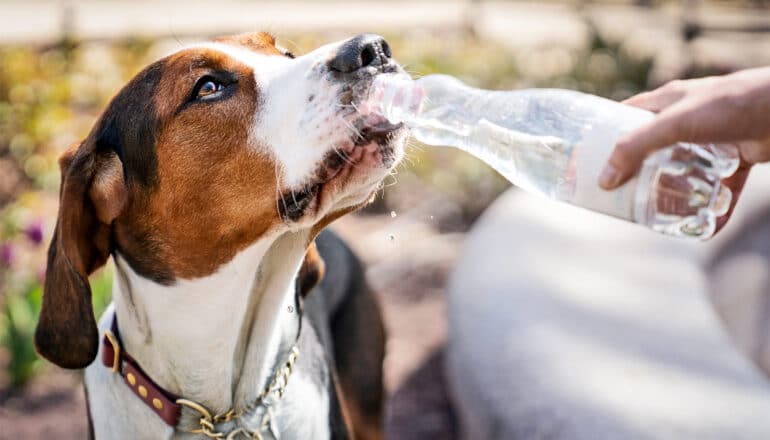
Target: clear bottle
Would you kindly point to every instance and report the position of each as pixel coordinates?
(556, 142)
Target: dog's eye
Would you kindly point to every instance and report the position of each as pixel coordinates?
(206, 87)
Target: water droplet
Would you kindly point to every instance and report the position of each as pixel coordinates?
(392, 214)
(391, 237)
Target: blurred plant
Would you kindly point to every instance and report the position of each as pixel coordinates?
(49, 98)
(18, 318)
(7, 254)
(17, 325)
(607, 69)
(34, 232)
(20, 303)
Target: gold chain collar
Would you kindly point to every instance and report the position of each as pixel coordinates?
(277, 387)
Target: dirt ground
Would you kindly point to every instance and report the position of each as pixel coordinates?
(408, 262)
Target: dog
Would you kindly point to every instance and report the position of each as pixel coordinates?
(207, 179)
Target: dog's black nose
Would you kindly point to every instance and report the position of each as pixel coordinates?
(361, 51)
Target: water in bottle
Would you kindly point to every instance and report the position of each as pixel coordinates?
(556, 142)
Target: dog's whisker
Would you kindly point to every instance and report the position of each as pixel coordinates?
(353, 129)
(294, 197)
(280, 200)
(294, 47)
(343, 156)
(412, 144)
(408, 159)
(388, 185)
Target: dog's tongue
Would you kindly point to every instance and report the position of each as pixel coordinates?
(395, 97)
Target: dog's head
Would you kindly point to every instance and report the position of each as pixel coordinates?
(200, 155)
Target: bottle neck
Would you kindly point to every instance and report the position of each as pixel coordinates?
(396, 97)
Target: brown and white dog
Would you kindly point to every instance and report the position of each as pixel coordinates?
(207, 179)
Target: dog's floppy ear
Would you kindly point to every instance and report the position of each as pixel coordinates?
(312, 271)
(92, 194)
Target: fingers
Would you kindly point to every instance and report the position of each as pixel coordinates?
(735, 183)
(658, 99)
(755, 151)
(700, 111)
(633, 148)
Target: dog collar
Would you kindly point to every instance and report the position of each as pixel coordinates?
(168, 406)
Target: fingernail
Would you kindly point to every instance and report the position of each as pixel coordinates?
(609, 178)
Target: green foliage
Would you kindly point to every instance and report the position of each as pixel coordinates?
(17, 325)
(49, 98)
(605, 68)
(101, 289)
(18, 318)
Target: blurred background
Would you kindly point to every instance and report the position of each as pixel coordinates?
(61, 62)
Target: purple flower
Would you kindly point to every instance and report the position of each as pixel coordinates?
(34, 232)
(7, 254)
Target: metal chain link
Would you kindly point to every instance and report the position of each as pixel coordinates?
(277, 386)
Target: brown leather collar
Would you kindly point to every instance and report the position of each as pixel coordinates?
(168, 406)
(162, 402)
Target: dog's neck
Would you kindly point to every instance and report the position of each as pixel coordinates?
(216, 339)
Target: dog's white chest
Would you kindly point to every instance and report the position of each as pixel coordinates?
(303, 413)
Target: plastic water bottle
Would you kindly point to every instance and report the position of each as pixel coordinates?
(556, 142)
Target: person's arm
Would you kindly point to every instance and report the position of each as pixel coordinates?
(726, 109)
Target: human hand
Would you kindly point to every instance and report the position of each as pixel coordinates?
(731, 109)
